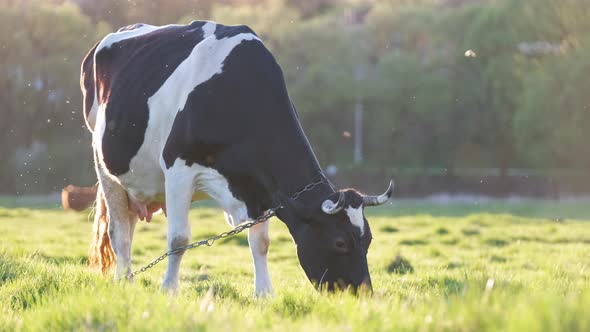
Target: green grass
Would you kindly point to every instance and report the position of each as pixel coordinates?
(485, 267)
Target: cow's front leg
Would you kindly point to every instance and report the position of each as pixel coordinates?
(179, 189)
(259, 243)
(121, 223)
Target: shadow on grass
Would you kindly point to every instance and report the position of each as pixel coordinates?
(442, 231)
(413, 242)
(400, 265)
(454, 265)
(495, 242)
(498, 259)
(470, 231)
(389, 229)
(451, 242)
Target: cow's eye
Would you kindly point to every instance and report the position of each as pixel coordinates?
(340, 245)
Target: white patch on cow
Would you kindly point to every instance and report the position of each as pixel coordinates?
(208, 180)
(259, 242)
(99, 128)
(215, 185)
(209, 29)
(356, 217)
(180, 185)
(91, 118)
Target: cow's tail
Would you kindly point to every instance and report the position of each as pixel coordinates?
(101, 255)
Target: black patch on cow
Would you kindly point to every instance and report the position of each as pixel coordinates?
(228, 31)
(129, 72)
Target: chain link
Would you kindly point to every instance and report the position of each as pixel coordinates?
(238, 229)
(309, 187)
(209, 241)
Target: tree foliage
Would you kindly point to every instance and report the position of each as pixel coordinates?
(42, 47)
(445, 84)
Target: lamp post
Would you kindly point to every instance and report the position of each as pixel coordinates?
(360, 74)
(354, 20)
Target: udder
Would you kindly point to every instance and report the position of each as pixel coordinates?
(145, 209)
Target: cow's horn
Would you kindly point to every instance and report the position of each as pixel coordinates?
(330, 207)
(381, 199)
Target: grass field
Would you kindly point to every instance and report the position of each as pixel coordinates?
(474, 267)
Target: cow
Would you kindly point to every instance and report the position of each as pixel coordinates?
(179, 113)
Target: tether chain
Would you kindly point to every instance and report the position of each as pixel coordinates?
(238, 229)
(306, 188)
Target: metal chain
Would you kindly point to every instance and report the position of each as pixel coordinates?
(309, 187)
(238, 229)
(209, 241)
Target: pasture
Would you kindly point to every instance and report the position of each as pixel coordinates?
(521, 266)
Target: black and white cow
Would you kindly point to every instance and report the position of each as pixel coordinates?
(182, 112)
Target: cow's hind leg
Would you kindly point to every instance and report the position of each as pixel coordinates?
(259, 243)
(179, 190)
(121, 222)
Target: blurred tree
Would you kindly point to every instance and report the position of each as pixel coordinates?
(447, 84)
(42, 47)
(158, 12)
(271, 19)
(411, 101)
(554, 116)
(493, 38)
(552, 125)
(114, 12)
(402, 25)
(311, 8)
(425, 89)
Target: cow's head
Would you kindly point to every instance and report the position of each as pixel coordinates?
(333, 238)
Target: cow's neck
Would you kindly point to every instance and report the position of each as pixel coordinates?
(293, 168)
(280, 164)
